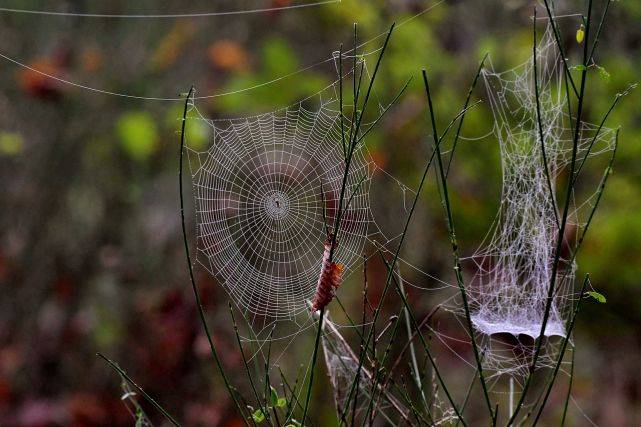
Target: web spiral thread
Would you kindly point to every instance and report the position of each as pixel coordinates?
(263, 191)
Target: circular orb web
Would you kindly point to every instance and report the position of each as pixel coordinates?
(261, 193)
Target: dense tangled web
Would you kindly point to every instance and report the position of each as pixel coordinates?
(263, 192)
(515, 264)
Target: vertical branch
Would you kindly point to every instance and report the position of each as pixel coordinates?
(201, 311)
(340, 99)
(468, 393)
(362, 349)
(559, 43)
(406, 316)
(568, 332)
(539, 122)
(457, 264)
(598, 31)
(569, 393)
(570, 325)
(390, 278)
(313, 367)
(354, 128)
(426, 348)
(246, 364)
(460, 124)
(564, 217)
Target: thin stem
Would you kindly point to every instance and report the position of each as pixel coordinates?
(598, 131)
(569, 393)
(313, 366)
(294, 400)
(468, 393)
(385, 110)
(539, 122)
(559, 43)
(340, 98)
(568, 332)
(390, 275)
(417, 375)
(426, 348)
(564, 217)
(357, 86)
(457, 264)
(598, 31)
(201, 311)
(246, 364)
(362, 334)
(349, 354)
(369, 88)
(387, 283)
(467, 101)
(376, 385)
(511, 396)
(150, 399)
(411, 339)
(599, 194)
(268, 386)
(353, 139)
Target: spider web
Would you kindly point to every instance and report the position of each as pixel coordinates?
(514, 265)
(342, 367)
(268, 182)
(266, 191)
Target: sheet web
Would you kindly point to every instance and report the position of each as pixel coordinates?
(514, 265)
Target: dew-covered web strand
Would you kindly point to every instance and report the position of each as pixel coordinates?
(258, 195)
(304, 145)
(259, 131)
(274, 80)
(165, 15)
(526, 221)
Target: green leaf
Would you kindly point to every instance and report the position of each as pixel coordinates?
(273, 396)
(579, 67)
(138, 134)
(597, 296)
(258, 415)
(604, 74)
(140, 418)
(282, 402)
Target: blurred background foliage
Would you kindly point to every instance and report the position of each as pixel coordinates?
(90, 250)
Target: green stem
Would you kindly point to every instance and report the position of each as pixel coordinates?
(201, 311)
(389, 277)
(313, 366)
(150, 399)
(568, 332)
(246, 364)
(426, 348)
(457, 264)
(539, 122)
(467, 101)
(569, 393)
(561, 233)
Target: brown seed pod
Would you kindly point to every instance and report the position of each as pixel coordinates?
(329, 280)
